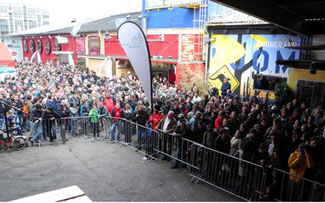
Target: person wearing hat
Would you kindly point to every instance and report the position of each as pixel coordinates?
(156, 116)
(222, 143)
(250, 145)
(259, 135)
(181, 131)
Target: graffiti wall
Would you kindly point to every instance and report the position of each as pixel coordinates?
(240, 57)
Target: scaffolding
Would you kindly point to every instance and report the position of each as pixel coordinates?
(199, 21)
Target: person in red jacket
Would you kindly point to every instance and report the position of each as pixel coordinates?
(156, 116)
(117, 113)
(109, 103)
(218, 121)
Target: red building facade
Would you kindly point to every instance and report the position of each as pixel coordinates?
(46, 45)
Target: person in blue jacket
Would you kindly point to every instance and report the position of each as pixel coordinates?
(225, 86)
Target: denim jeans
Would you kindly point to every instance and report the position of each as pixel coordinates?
(117, 125)
(95, 126)
(1, 121)
(51, 130)
(37, 131)
(27, 124)
(62, 129)
(73, 124)
(21, 120)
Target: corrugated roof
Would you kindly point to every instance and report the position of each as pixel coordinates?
(233, 17)
(104, 24)
(39, 30)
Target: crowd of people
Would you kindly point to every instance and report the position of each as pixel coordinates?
(287, 136)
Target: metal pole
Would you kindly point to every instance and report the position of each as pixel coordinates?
(7, 128)
(207, 63)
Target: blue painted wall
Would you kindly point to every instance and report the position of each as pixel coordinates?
(180, 17)
(164, 18)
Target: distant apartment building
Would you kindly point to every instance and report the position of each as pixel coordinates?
(19, 17)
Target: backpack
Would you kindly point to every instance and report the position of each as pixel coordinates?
(25, 110)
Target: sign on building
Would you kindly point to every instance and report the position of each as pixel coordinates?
(187, 47)
(94, 45)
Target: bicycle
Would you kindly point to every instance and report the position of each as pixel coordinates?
(15, 142)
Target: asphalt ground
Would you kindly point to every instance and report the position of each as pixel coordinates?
(105, 171)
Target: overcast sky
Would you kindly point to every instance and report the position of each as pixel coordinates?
(65, 10)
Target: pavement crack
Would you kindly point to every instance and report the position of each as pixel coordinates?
(85, 165)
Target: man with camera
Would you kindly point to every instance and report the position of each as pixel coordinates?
(298, 163)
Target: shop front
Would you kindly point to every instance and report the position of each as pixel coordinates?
(49, 47)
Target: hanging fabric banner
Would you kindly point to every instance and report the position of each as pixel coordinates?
(135, 45)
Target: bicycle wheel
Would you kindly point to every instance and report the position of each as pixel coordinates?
(19, 143)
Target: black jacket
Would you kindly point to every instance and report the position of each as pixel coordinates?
(223, 145)
(36, 115)
(142, 118)
(249, 148)
(47, 116)
(63, 111)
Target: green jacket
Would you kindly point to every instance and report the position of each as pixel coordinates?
(94, 116)
(171, 126)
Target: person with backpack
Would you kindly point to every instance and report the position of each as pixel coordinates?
(102, 113)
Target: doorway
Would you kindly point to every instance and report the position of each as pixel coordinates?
(312, 92)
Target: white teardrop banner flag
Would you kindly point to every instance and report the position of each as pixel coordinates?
(135, 45)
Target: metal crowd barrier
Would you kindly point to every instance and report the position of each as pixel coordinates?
(74, 126)
(290, 187)
(243, 179)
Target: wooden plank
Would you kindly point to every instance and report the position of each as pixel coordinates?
(54, 196)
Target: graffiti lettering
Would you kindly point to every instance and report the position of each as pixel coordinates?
(258, 67)
(279, 57)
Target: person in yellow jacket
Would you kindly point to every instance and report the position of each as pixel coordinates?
(298, 162)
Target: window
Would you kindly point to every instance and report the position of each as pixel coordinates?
(3, 9)
(18, 12)
(31, 24)
(11, 22)
(311, 92)
(4, 26)
(32, 13)
(157, 3)
(46, 22)
(18, 25)
(266, 82)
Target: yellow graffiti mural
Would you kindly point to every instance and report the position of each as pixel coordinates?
(227, 52)
(260, 41)
(216, 79)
